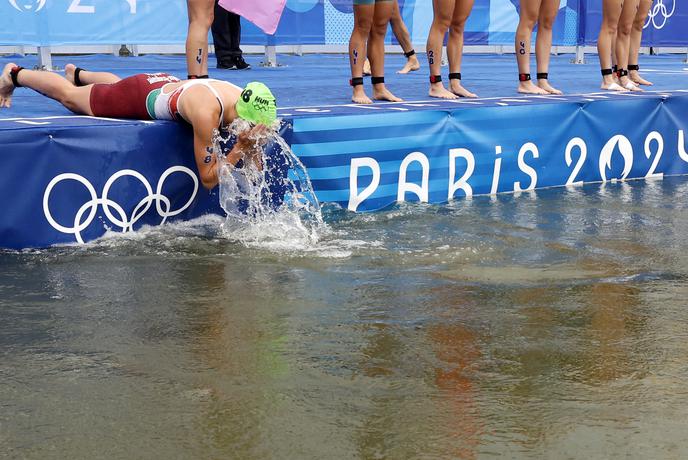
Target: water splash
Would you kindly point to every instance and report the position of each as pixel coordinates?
(270, 207)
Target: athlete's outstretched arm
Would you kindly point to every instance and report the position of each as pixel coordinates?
(247, 148)
(206, 158)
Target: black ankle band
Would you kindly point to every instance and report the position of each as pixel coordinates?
(408, 54)
(615, 68)
(77, 80)
(13, 75)
(377, 80)
(435, 78)
(524, 77)
(622, 73)
(194, 77)
(542, 76)
(635, 67)
(356, 81)
(455, 76)
(606, 72)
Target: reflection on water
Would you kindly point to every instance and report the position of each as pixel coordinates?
(545, 325)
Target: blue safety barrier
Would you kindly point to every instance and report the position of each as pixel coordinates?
(441, 151)
(666, 23)
(69, 179)
(319, 22)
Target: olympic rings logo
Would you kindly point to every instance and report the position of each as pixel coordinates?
(126, 223)
(36, 5)
(660, 12)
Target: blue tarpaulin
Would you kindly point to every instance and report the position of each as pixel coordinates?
(317, 22)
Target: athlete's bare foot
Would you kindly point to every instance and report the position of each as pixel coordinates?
(527, 87)
(366, 68)
(611, 85)
(438, 90)
(6, 86)
(69, 73)
(411, 65)
(544, 84)
(636, 78)
(456, 88)
(628, 84)
(381, 93)
(359, 96)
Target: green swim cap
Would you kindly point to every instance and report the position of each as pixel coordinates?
(257, 104)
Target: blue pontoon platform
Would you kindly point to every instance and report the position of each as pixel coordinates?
(70, 178)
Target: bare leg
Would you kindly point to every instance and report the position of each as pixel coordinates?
(88, 78)
(543, 42)
(636, 36)
(623, 40)
(443, 11)
(614, 63)
(6, 86)
(52, 85)
(404, 38)
(611, 11)
(376, 50)
(529, 16)
(462, 9)
(363, 21)
(201, 14)
(366, 68)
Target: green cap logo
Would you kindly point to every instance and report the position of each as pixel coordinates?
(257, 104)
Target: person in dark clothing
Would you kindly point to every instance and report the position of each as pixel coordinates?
(226, 31)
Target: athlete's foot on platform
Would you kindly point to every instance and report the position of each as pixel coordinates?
(637, 79)
(411, 65)
(527, 87)
(544, 84)
(612, 86)
(6, 86)
(381, 93)
(456, 88)
(359, 96)
(438, 90)
(69, 73)
(629, 85)
(366, 68)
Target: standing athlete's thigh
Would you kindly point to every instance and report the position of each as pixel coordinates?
(462, 9)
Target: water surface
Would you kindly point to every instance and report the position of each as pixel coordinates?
(550, 324)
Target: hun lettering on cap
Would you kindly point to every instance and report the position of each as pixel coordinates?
(261, 104)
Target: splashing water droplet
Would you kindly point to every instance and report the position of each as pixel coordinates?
(273, 206)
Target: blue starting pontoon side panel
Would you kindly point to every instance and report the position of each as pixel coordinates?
(369, 158)
(69, 179)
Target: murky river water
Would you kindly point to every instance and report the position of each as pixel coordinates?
(553, 324)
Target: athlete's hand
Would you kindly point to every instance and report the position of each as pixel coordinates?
(250, 144)
(252, 138)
